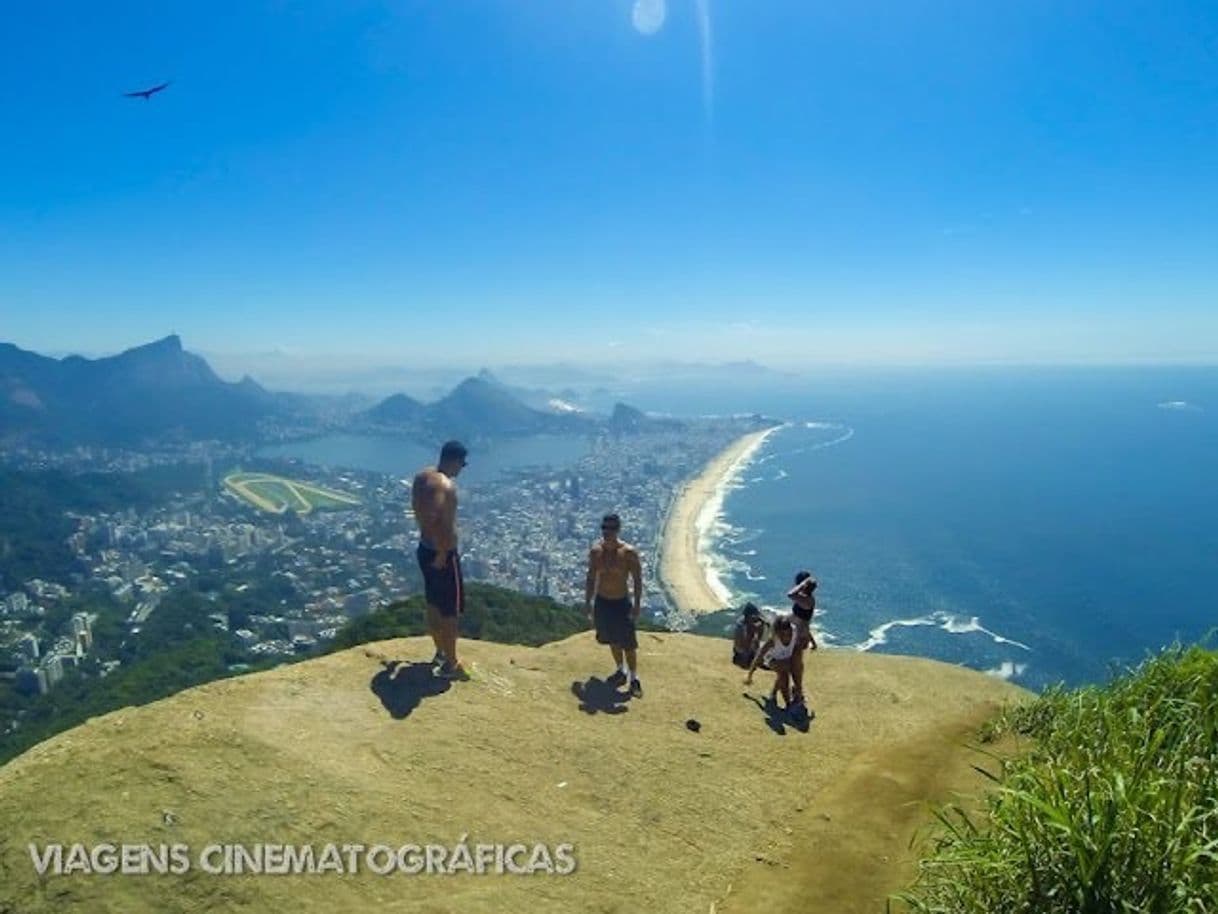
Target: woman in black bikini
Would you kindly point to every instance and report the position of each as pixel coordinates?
(803, 605)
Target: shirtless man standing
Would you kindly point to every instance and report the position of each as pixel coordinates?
(434, 499)
(611, 564)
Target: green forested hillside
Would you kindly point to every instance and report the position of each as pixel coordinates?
(491, 614)
(34, 521)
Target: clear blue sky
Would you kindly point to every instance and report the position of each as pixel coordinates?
(786, 180)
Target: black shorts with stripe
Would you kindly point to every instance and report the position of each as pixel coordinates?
(443, 587)
(614, 623)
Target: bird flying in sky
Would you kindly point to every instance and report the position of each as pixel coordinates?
(146, 94)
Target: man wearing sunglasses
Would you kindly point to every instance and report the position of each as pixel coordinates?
(612, 567)
(434, 499)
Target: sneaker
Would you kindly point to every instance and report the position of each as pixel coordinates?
(617, 678)
(439, 659)
(636, 688)
(456, 673)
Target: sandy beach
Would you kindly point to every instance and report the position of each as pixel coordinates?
(682, 571)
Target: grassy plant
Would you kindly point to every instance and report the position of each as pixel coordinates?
(1115, 809)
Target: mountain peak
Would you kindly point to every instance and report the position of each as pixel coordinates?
(626, 417)
(397, 408)
(169, 345)
(157, 388)
(479, 382)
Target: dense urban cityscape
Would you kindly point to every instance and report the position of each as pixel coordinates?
(528, 530)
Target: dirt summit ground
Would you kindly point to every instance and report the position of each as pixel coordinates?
(746, 814)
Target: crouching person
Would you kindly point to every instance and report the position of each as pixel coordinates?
(746, 640)
(777, 651)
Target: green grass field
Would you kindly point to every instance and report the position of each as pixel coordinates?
(278, 494)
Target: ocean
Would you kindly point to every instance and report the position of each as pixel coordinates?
(1042, 525)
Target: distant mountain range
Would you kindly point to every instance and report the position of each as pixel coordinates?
(587, 384)
(160, 391)
(476, 408)
(157, 390)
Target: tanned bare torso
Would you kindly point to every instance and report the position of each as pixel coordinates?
(613, 564)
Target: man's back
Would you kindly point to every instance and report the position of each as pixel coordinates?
(433, 498)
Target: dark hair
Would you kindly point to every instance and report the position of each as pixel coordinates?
(611, 520)
(783, 624)
(452, 450)
(802, 576)
(750, 610)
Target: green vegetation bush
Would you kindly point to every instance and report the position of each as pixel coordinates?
(491, 614)
(1114, 809)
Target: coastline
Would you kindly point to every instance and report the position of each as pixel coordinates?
(687, 582)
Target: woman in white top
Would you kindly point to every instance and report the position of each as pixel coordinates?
(778, 651)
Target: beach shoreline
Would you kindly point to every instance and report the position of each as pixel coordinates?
(686, 580)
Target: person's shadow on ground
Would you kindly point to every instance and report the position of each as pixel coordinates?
(402, 688)
(596, 696)
(778, 718)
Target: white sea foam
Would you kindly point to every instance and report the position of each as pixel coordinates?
(739, 536)
(879, 634)
(1180, 406)
(712, 527)
(711, 524)
(946, 621)
(847, 434)
(1008, 670)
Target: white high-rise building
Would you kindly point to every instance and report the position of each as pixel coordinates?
(28, 645)
(82, 631)
(54, 669)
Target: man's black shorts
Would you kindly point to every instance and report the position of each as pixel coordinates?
(613, 622)
(443, 587)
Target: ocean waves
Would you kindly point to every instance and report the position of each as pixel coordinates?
(947, 622)
(720, 543)
(844, 434)
(1007, 670)
(714, 530)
